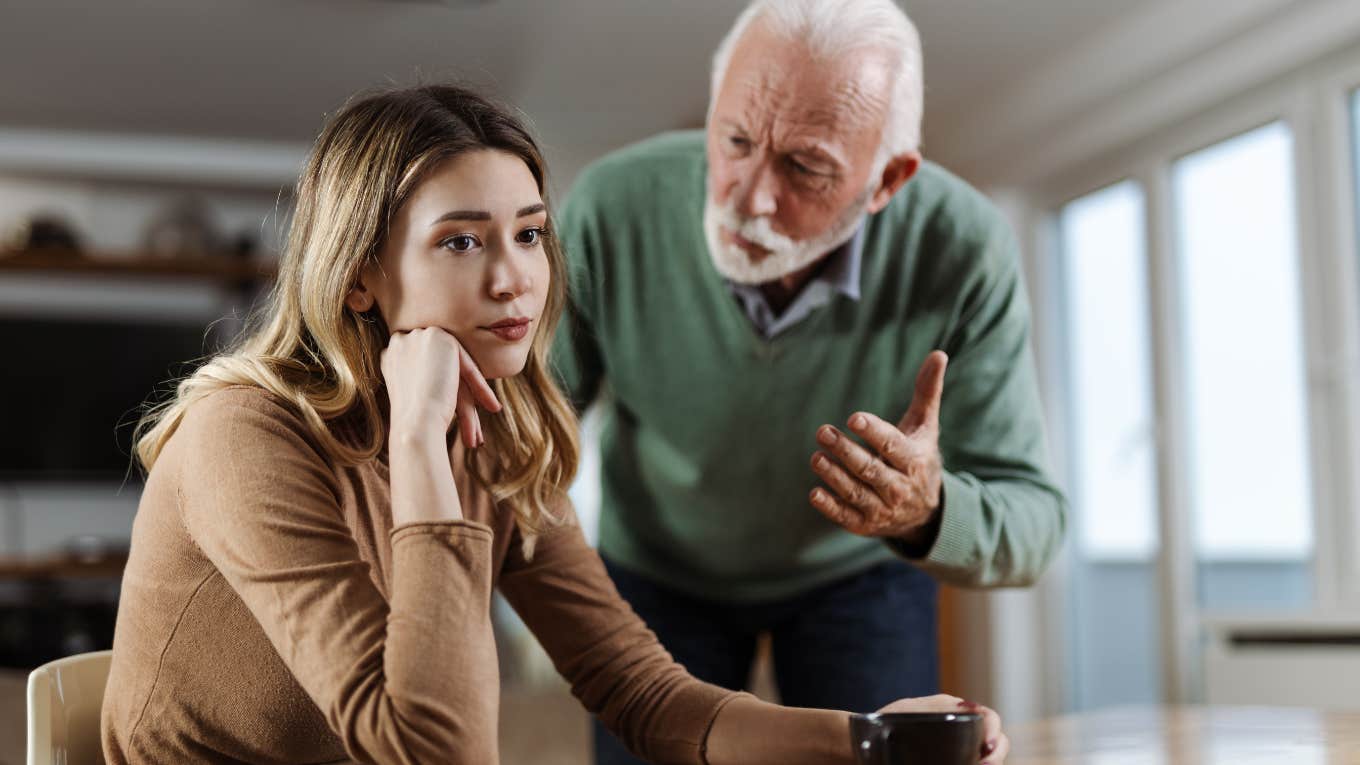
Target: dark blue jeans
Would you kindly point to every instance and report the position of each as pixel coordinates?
(854, 644)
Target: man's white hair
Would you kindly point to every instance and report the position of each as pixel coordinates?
(832, 28)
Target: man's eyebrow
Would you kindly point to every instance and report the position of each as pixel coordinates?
(813, 152)
(817, 154)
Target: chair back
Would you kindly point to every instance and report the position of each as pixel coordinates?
(64, 701)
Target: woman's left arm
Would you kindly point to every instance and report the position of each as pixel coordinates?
(622, 674)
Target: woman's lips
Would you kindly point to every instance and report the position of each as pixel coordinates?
(509, 329)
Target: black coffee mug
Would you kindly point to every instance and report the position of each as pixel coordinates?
(924, 738)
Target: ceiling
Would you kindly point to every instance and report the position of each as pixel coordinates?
(592, 74)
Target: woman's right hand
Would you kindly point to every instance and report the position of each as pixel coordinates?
(431, 381)
(995, 744)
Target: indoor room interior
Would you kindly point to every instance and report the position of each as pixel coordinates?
(1183, 181)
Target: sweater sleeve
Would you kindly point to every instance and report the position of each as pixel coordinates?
(615, 665)
(1003, 519)
(399, 682)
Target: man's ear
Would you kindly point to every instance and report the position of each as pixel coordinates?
(896, 173)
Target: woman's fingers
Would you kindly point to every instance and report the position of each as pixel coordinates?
(479, 387)
(432, 378)
(469, 424)
(994, 742)
(1003, 748)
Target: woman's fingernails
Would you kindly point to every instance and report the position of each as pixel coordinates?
(989, 747)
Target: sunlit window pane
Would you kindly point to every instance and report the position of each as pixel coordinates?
(1113, 482)
(1243, 371)
(1104, 264)
(1355, 155)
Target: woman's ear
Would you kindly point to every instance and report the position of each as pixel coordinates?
(359, 299)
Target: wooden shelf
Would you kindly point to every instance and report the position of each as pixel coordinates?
(225, 268)
(63, 567)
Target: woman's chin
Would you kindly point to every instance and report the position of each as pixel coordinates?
(500, 363)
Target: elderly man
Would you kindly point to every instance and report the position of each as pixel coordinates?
(757, 301)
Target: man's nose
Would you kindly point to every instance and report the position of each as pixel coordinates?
(758, 196)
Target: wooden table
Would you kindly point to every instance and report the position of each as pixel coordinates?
(1190, 735)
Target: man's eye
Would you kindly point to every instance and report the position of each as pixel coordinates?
(739, 143)
(531, 236)
(460, 242)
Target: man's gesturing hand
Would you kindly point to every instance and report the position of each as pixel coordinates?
(893, 490)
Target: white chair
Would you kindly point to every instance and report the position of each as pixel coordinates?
(64, 698)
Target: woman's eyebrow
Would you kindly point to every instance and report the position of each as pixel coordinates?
(462, 215)
(484, 215)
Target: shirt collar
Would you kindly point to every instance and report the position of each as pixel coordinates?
(843, 270)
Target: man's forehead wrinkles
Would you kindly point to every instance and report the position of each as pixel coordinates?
(813, 121)
(847, 99)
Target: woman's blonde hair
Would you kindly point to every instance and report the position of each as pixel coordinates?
(306, 347)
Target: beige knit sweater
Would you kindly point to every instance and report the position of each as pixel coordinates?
(270, 613)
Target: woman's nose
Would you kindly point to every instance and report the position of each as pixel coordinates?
(509, 277)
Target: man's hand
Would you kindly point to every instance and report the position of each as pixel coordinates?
(893, 491)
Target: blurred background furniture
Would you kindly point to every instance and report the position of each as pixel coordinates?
(64, 699)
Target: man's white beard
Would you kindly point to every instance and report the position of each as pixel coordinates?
(785, 255)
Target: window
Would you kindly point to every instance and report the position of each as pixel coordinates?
(1243, 371)
(1355, 157)
(1113, 468)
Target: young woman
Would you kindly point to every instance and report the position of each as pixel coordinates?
(314, 554)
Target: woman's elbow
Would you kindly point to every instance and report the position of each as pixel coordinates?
(417, 734)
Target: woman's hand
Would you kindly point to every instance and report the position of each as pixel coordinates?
(995, 745)
(431, 381)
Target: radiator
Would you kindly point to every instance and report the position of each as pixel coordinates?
(1313, 662)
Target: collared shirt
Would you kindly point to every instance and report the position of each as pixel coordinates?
(841, 274)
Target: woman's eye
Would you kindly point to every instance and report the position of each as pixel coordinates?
(460, 242)
(530, 236)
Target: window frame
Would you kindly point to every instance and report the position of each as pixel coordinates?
(1314, 104)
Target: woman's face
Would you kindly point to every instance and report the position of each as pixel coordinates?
(465, 254)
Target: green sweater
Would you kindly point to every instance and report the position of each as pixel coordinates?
(709, 427)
